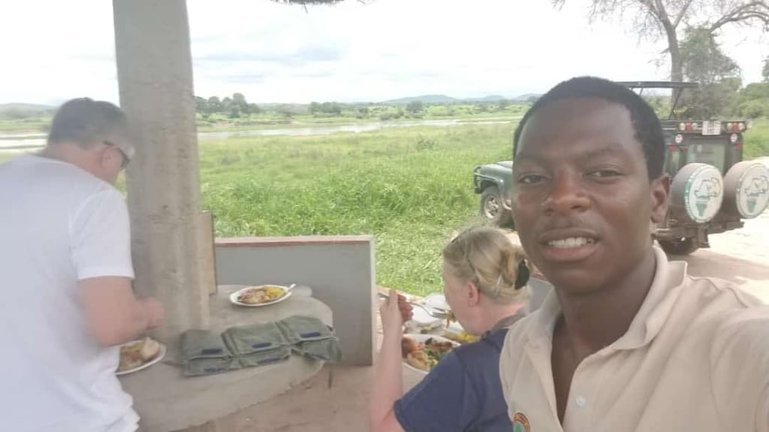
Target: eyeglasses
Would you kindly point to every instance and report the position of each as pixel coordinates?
(126, 159)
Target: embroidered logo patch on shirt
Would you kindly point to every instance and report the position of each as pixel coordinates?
(521, 423)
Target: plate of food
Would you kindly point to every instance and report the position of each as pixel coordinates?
(459, 336)
(421, 352)
(139, 354)
(260, 295)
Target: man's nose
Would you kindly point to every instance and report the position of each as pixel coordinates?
(567, 194)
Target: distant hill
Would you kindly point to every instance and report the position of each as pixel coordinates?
(491, 98)
(526, 97)
(433, 99)
(443, 99)
(25, 108)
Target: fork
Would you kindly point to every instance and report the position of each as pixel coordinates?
(433, 312)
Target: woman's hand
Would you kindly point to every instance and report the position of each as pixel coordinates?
(394, 311)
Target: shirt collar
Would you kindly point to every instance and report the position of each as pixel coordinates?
(656, 307)
(665, 288)
(506, 321)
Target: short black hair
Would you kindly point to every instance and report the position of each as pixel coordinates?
(85, 121)
(648, 130)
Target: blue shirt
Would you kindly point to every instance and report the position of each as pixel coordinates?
(461, 393)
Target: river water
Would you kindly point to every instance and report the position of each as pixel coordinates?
(27, 141)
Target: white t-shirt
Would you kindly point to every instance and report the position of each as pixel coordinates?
(58, 224)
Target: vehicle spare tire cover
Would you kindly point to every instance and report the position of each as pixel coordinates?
(697, 192)
(746, 188)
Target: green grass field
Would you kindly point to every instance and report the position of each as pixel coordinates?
(411, 188)
(757, 140)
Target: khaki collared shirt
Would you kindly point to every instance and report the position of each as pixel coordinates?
(695, 358)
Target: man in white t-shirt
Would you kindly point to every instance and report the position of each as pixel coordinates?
(626, 341)
(65, 278)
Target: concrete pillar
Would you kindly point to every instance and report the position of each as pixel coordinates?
(154, 65)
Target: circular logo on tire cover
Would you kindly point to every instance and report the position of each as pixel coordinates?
(703, 193)
(753, 191)
(521, 423)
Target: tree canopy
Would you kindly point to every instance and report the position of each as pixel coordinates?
(655, 19)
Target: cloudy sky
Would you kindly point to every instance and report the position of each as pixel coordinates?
(53, 50)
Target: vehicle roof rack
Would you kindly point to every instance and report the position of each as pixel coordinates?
(659, 84)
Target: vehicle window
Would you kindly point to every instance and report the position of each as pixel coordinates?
(712, 154)
(672, 161)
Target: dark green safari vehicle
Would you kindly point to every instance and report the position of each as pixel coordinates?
(713, 190)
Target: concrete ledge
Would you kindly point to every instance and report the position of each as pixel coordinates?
(167, 401)
(290, 241)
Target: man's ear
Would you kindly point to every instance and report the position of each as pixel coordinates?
(660, 195)
(105, 156)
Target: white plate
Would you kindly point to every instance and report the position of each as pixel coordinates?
(234, 296)
(158, 357)
(436, 301)
(422, 338)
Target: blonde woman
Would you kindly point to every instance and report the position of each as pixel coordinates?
(484, 281)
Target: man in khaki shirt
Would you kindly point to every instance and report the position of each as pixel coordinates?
(626, 341)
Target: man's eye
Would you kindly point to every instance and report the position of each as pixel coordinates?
(604, 173)
(530, 179)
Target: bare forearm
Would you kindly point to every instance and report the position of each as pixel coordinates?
(132, 325)
(388, 382)
(123, 326)
(113, 313)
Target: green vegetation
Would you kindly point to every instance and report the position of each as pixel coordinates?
(215, 114)
(757, 139)
(35, 123)
(411, 188)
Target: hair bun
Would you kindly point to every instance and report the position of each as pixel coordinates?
(523, 274)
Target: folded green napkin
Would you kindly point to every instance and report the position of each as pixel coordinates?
(203, 344)
(311, 338)
(210, 366)
(327, 350)
(206, 353)
(245, 340)
(300, 328)
(265, 357)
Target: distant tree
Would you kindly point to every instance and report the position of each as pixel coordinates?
(314, 108)
(415, 107)
(254, 108)
(703, 61)
(753, 100)
(503, 104)
(214, 104)
(765, 71)
(656, 18)
(333, 108)
(239, 102)
(711, 100)
(201, 105)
